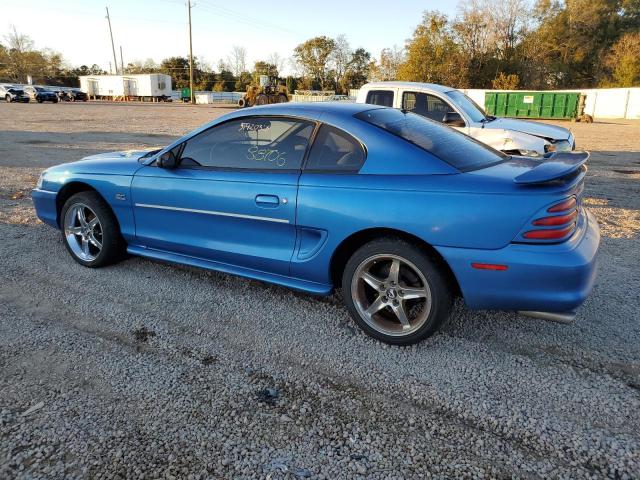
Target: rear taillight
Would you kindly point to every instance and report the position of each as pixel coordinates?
(567, 204)
(559, 226)
(555, 221)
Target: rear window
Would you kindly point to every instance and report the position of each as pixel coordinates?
(335, 150)
(455, 148)
(384, 98)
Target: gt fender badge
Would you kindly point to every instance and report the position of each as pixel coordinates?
(121, 196)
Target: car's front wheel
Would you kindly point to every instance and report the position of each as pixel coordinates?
(395, 292)
(90, 230)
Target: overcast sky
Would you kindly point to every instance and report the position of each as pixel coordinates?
(158, 28)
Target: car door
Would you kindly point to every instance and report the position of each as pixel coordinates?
(429, 106)
(232, 198)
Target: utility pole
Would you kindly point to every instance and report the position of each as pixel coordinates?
(190, 55)
(121, 62)
(113, 47)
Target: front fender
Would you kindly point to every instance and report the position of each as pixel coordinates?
(114, 189)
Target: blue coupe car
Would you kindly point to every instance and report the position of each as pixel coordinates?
(400, 212)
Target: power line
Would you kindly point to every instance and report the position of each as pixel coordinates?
(243, 18)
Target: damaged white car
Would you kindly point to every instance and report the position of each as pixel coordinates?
(452, 107)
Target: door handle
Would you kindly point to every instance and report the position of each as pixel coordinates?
(268, 200)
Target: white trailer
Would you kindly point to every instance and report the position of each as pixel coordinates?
(152, 86)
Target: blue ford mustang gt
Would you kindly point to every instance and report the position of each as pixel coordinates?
(402, 213)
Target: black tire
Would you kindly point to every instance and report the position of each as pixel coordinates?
(113, 245)
(39, 100)
(441, 298)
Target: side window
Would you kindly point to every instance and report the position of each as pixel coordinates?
(335, 150)
(428, 106)
(250, 143)
(384, 98)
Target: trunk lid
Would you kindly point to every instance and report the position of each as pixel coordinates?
(556, 167)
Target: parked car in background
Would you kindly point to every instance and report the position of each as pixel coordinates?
(453, 108)
(11, 93)
(402, 213)
(338, 98)
(75, 95)
(40, 94)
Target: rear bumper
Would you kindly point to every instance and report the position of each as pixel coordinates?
(44, 202)
(549, 278)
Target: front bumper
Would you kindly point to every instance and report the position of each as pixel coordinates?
(548, 278)
(44, 203)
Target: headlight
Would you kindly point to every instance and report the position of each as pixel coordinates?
(559, 146)
(529, 153)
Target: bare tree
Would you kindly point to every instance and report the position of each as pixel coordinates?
(278, 61)
(387, 67)
(17, 41)
(340, 58)
(237, 60)
(471, 28)
(508, 21)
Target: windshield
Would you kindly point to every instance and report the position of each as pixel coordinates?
(449, 145)
(471, 108)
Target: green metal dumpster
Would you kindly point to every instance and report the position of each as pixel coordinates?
(185, 94)
(549, 105)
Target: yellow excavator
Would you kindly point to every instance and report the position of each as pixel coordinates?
(263, 94)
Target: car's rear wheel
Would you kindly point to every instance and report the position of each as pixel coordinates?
(395, 291)
(90, 230)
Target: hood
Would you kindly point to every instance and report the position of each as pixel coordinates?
(543, 130)
(112, 163)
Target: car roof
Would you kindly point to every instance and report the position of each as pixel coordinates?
(427, 86)
(310, 110)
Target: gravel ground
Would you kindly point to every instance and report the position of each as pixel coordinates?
(146, 370)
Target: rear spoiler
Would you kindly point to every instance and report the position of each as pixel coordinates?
(557, 165)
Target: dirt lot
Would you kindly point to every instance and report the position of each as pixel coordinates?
(145, 370)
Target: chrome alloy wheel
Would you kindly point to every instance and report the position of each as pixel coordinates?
(83, 232)
(391, 294)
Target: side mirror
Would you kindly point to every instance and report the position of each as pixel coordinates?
(167, 160)
(453, 119)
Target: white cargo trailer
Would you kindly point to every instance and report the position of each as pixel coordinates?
(152, 86)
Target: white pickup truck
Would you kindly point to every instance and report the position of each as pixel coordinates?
(454, 108)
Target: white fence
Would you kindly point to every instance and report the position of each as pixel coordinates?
(600, 102)
(218, 97)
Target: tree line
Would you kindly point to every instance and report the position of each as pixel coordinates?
(504, 44)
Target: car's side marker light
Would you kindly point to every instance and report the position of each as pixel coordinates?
(489, 266)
